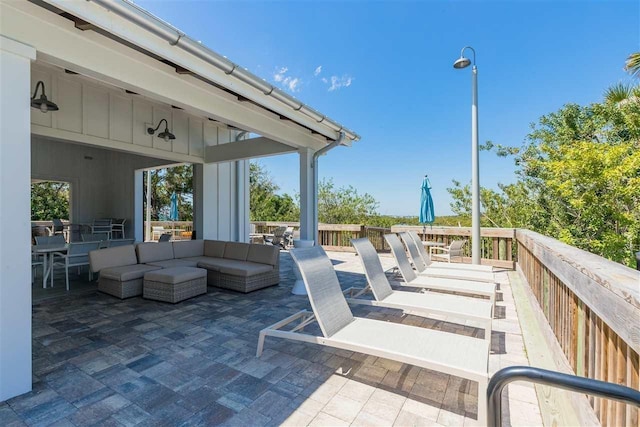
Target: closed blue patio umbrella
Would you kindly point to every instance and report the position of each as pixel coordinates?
(427, 216)
(173, 212)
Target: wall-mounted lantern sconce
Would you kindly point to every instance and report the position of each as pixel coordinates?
(42, 103)
(165, 134)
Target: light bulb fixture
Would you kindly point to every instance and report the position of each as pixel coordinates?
(165, 134)
(42, 103)
(464, 62)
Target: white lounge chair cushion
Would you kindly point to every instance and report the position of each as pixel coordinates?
(127, 272)
(151, 251)
(456, 305)
(176, 275)
(454, 285)
(458, 266)
(450, 353)
(188, 248)
(452, 273)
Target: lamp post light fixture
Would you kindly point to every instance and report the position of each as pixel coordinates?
(461, 63)
(165, 134)
(42, 103)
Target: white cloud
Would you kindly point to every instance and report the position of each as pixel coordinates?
(292, 83)
(339, 82)
(279, 75)
(318, 70)
(289, 82)
(324, 80)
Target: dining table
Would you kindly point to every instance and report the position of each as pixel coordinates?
(47, 251)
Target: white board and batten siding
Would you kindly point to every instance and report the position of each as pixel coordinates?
(99, 116)
(103, 115)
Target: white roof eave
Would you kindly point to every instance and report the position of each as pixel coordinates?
(234, 77)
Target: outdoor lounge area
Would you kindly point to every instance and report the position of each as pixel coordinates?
(99, 359)
(128, 94)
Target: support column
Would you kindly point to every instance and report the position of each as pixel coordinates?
(197, 200)
(15, 215)
(308, 216)
(242, 201)
(205, 199)
(138, 196)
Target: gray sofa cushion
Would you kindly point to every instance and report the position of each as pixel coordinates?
(235, 267)
(214, 263)
(214, 248)
(246, 269)
(127, 272)
(196, 259)
(170, 263)
(151, 251)
(176, 274)
(188, 248)
(263, 254)
(236, 250)
(112, 257)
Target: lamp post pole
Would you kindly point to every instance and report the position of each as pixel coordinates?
(475, 171)
(463, 62)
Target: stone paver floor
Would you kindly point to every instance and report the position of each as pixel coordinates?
(98, 360)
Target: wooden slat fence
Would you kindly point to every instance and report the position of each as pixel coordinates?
(593, 308)
(496, 248)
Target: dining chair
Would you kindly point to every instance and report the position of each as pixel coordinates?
(117, 226)
(102, 226)
(77, 255)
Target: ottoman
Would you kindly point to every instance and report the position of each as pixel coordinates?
(174, 284)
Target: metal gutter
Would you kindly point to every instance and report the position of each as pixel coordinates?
(175, 37)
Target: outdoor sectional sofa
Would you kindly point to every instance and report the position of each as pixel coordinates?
(241, 267)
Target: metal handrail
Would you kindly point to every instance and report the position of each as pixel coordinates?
(557, 379)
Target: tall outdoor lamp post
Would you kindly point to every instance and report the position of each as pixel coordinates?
(463, 62)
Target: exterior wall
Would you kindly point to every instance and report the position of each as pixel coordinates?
(102, 181)
(108, 116)
(221, 195)
(15, 251)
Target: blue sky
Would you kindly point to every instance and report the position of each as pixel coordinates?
(384, 69)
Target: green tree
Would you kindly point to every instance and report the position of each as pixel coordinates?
(49, 200)
(578, 178)
(344, 205)
(264, 203)
(633, 64)
(164, 182)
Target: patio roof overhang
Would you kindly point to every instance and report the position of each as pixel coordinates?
(164, 64)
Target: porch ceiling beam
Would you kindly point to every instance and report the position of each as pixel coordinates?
(57, 42)
(245, 149)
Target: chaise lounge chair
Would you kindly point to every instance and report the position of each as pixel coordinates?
(453, 283)
(459, 308)
(421, 268)
(451, 354)
(435, 264)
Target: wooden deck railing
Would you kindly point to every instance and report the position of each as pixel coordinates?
(496, 248)
(179, 230)
(334, 237)
(497, 243)
(593, 308)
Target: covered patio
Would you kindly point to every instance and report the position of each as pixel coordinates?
(112, 72)
(101, 360)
